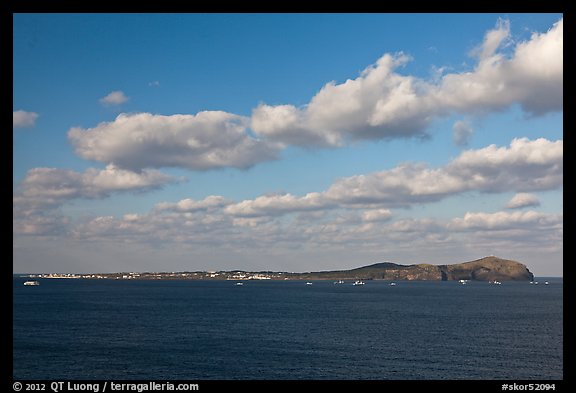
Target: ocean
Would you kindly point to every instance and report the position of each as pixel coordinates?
(287, 330)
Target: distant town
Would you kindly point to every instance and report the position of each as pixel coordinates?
(206, 275)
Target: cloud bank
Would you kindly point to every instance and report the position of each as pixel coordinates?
(525, 165)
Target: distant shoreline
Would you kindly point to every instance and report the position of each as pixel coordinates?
(484, 269)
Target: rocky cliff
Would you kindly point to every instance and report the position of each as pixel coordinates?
(484, 269)
(487, 269)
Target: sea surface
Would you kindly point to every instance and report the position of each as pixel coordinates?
(276, 330)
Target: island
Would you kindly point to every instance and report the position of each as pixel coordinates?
(490, 268)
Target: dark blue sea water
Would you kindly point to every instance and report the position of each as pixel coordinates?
(106, 329)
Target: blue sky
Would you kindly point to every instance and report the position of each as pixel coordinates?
(287, 141)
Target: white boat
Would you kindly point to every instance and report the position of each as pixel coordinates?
(339, 282)
(239, 283)
(392, 284)
(463, 282)
(495, 282)
(358, 282)
(546, 283)
(34, 283)
(309, 283)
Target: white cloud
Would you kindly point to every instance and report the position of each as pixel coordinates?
(531, 77)
(21, 119)
(504, 220)
(527, 165)
(493, 40)
(53, 184)
(277, 205)
(207, 140)
(462, 131)
(44, 190)
(188, 205)
(114, 98)
(381, 103)
(114, 179)
(39, 222)
(378, 104)
(522, 200)
(523, 166)
(376, 215)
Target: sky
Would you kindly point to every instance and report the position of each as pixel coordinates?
(286, 142)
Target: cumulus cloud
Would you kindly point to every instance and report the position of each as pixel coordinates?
(522, 200)
(504, 220)
(378, 104)
(114, 98)
(523, 166)
(526, 165)
(376, 215)
(277, 205)
(38, 222)
(188, 205)
(531, 77)
(381, 103)
(22, 119)
(45, 189)
(207, 140)
(53, 184)
(461, 133)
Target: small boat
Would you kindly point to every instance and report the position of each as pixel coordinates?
(463, 282)
(546, 283)
(309, 283)
(239, 283)
(392, 284)
(495, 282)
(358, 282)
(33, 283)
(339, 282)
